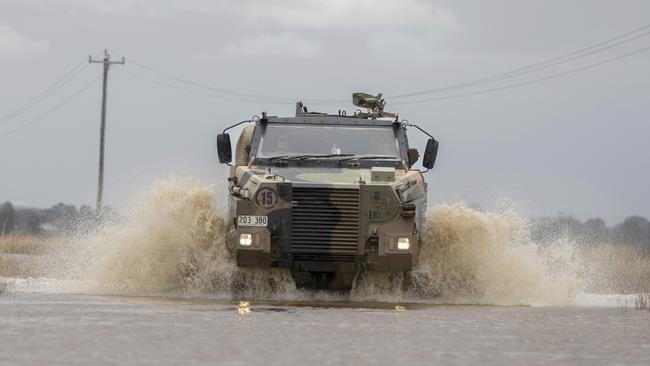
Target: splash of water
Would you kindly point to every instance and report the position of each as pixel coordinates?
(472, 256)
(171, 240)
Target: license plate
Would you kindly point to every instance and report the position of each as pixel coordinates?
(244, 220)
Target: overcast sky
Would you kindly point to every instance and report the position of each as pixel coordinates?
(576, 144)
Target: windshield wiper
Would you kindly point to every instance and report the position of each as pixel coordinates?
(305, 156)
(316, 156)
(367, 157)
(278, 157)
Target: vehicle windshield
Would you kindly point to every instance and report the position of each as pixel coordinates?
(289, 140)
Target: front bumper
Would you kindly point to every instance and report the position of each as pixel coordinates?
(378, 258)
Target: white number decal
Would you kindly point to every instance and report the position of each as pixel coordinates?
(245, 220)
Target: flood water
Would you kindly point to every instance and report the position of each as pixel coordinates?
(41, 327)
(159, 287)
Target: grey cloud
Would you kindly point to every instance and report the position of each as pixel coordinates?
(345, 14)
(274, 45)
(368, 14)
(11, 42)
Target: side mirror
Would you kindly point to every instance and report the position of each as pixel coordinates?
(413, 156)
(430, 154)
(224, 150)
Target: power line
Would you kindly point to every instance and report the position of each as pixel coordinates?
(549, 77)
(203, 86)
(558, 60)
(245, 97)
(571, 56)
(55, 108)
(69, 76)
(190, 91)
(548, 63)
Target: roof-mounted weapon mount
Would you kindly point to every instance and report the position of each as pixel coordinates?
(374, 103)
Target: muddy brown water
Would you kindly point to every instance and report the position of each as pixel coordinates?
(486, 295)
(39, 326)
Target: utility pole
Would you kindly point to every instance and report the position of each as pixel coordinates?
(106, 61)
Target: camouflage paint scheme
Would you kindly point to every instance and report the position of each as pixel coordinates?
(391, 204)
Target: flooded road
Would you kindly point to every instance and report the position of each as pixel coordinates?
(52, 328)
(160, 287)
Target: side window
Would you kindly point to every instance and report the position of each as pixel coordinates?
(242, 151)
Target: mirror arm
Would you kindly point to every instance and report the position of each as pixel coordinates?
(426, 133)
(229, 127)
(423, 131)
(235, 125)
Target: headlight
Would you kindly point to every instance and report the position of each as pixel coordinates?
(403, 243)
(245, 239)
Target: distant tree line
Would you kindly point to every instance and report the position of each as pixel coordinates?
(58, 219)
(634, 230)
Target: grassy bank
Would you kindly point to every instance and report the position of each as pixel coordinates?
(19, 254)
(24, 244)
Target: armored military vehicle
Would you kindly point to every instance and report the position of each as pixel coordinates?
(326, 196)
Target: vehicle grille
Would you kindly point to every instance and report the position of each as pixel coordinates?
(325, 224)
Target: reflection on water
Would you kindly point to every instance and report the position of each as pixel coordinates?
(243, 307)
(46, 328)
